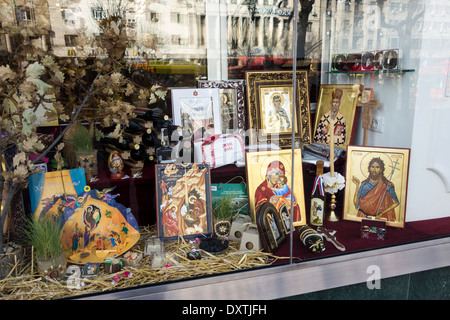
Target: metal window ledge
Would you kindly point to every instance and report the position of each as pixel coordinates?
(293, 279)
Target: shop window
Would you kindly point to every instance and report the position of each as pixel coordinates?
(170, 45)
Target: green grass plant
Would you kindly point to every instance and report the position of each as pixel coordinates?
(44, 235)
(82, 139)
(223, 208)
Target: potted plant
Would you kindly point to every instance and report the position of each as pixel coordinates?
(44, 236)
(79, 148)
(222, 213)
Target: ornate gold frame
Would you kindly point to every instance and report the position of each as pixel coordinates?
(347, 109)
(258, 81)
(257, 166)
(396, 167)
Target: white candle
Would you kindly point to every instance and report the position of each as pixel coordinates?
(332, 148)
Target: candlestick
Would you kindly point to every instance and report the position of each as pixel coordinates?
(332, 148)
(332, 214)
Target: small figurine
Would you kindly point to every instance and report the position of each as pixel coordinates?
(193, 255)
(105, 195)
(115, 164)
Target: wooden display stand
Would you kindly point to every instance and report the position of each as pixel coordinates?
(366, 116)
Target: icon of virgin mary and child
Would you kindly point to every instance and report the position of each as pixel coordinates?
(275, 189)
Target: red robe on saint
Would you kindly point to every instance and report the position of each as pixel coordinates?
(369, 204)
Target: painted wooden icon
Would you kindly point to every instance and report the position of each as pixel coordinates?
(183, 200)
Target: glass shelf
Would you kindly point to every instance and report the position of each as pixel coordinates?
(372, 72)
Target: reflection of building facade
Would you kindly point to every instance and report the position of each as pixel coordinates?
(264, 28)
(28, 17)
(361, 25)
(171, 29)
(177, 29)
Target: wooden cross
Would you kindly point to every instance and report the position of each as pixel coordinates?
(366, 116)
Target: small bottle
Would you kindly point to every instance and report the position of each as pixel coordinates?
(151, 139)
(163, 122)
(125, 144)
(138, 154)
(135, 128)
(150, 115)
(175, 133)
(164, 152)
(152, 159)
(317, 197)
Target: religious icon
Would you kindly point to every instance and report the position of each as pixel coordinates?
(270, 97)
(378, 60)
(197, 110)
(277, 117)
(269, 180)
(55, 189)
(94, 226)
(90, 269)
(116, 165)
(183, 200)
(367, 60)
(339, 62)
(376, 184)
(270, 227)
(232, 103)
(390, 59)
(338, 103)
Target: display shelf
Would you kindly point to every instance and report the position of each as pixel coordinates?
(397, 71)
(312, 272)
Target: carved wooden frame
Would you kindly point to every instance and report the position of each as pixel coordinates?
(239, 106)
(272, 233)
(257, 81)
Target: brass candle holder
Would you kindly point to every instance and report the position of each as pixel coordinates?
(332, 215)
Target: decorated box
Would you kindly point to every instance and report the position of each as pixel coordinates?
(219, 150)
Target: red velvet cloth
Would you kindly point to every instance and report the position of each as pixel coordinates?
(139, 195)
(349, 234)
